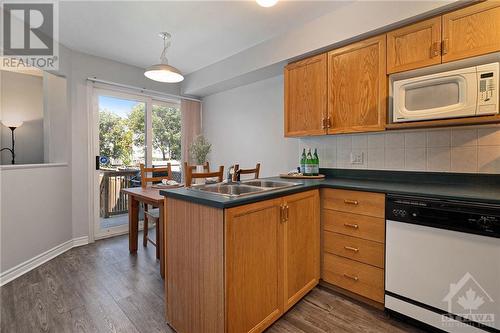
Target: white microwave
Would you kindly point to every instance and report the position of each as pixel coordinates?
(465, 92)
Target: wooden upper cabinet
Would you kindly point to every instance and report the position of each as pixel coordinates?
(471, 31)
(357, 87)
(302, 249)
(414, 46)
(305, 97)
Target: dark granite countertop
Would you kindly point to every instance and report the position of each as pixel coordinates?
(478, 188)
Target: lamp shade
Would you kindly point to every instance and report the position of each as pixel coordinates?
(164, 73)
(12, 123)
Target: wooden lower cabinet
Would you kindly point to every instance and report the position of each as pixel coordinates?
(239, 269)
(361, 279)
(254, 261)
(272, 259)
(302, 246)
(353, 250)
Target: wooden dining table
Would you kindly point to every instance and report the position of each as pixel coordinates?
(148, 196)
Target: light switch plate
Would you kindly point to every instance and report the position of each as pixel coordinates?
(357, 157)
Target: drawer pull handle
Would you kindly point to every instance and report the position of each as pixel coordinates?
(352, 277)
(350, 225)
(350, 248)
(351, 202)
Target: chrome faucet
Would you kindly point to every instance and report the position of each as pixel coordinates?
(233, 175)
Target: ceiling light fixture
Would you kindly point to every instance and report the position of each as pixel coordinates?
(267, 3)
(163, 72)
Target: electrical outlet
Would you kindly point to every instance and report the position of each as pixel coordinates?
(357, 157)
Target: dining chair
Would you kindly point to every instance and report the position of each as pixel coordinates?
(157, 174)
(153, 215)
(190, 175)
(237, 172)
(206, 167)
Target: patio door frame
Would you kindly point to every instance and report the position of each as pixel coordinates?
(94, 91)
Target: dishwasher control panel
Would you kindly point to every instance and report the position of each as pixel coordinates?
(468, 217)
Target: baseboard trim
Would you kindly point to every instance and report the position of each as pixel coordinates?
(28, 265)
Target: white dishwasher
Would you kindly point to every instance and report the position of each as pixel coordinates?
(443, 263)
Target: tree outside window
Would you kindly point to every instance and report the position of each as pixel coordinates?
(119, 136)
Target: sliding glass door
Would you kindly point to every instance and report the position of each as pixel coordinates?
(129, 130)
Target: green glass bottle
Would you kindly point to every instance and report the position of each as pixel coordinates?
(316, 162)
(309, 164)
(303, 162)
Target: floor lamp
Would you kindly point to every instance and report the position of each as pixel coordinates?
(12, 125)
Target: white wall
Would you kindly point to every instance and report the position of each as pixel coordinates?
(55, 119)
(22, 99)
(35, 212)
(245, 126)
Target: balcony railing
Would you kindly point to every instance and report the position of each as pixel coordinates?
(111, 182)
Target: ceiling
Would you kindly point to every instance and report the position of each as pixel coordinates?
(204, 32)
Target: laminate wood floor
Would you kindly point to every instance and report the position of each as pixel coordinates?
(101, 288)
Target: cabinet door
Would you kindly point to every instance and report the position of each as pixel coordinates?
(305, 97)
(471, 31)
(254, 257)
(302, 248)
(357, 89)
(414, 46)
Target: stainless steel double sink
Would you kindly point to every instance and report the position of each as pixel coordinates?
(242, 188)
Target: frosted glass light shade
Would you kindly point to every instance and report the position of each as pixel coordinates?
(164, 73)
(12, 123)
(267, 3)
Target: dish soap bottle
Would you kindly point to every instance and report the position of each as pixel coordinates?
(309, 164)
(316, 162)
(303, 162)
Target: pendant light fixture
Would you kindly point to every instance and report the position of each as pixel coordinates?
(163, 72)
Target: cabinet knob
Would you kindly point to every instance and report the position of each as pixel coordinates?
(282, 213)
(436, 49)
(351, 202)
(350, 248)
(352, 277)
(446, 43)
(351, 225)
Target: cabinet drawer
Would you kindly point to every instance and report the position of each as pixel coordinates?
(358, 249)
(362, 226)
(364, 203)
(362, 279)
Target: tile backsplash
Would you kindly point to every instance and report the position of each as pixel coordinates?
(461, 149)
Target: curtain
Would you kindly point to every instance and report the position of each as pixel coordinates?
(190, 126)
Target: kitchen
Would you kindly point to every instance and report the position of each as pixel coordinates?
(397, 230)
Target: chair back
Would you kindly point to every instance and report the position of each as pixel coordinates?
(190, 175)
(206, 167)
(157, 174)
(238, 171)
